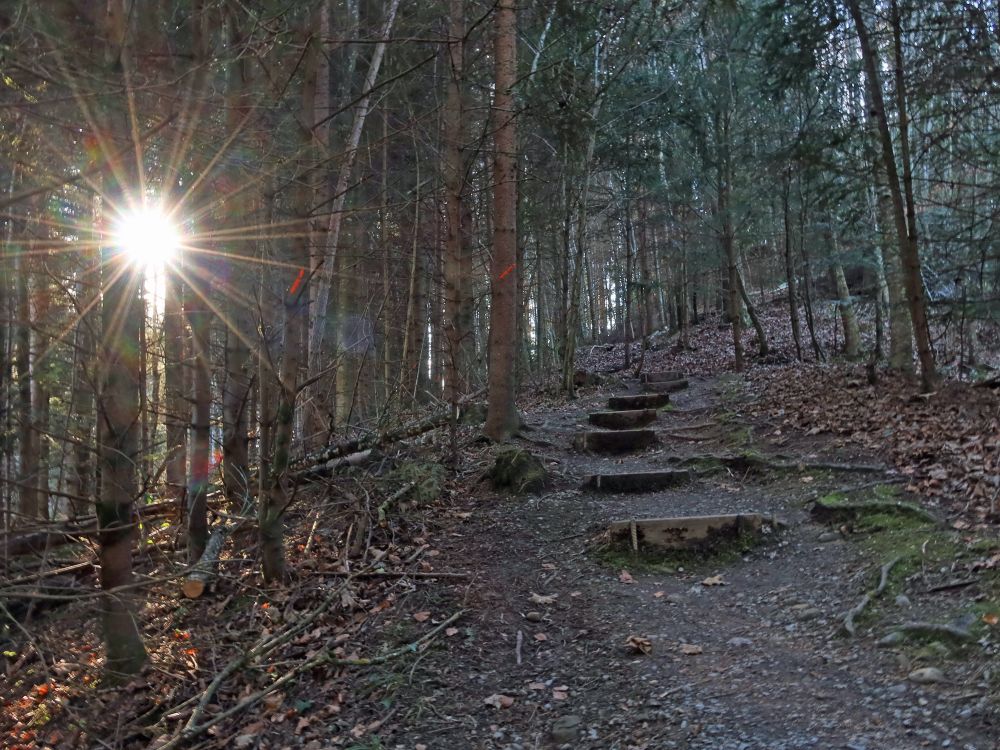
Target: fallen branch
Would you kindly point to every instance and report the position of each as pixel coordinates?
(413, 429)
(396, 496)
(858, 608)
(192, 729)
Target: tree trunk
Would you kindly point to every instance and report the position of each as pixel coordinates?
(790, 275)
(502, 419)
(324, 278)
(277, 495)
(177, 410)
(849, 319)
(118, 402)
(237, 384)
(458, 315)
(29, 502)
(754, 318)
(904, 215)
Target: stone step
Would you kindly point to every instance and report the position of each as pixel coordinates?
(686, 532)
(667, 386)
(661, 377)
(623, 420)
(642, 401)
(615, 441)
(638, 481)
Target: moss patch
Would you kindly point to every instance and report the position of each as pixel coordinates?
(427, 479)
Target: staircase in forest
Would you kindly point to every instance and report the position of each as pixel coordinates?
(625, 428)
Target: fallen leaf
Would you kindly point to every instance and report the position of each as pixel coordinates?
(498, 700)
(273, 701)
(713, 581)
(536, 686)
(690, 649)
(559, 695)
(451, 631)
(541, 637)
(991, 618)
(639, 644)
(302, 725)
(543, 598)
(421, 616)
(805, 480)
(244, 740)
(659, 594)
(626, 577)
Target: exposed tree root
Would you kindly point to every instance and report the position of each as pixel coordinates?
(858, 608)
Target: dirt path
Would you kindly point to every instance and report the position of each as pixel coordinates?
(773, 670)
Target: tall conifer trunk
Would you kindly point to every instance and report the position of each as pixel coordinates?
(502, 419)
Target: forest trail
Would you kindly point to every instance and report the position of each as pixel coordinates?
(756, 661)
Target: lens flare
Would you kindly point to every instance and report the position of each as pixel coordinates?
(149, 237)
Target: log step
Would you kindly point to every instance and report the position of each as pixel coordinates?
(686, 532)
(623, 420)
(668, 386)
(642, 401)
(617, 441)
(661, 377)
(639, 481)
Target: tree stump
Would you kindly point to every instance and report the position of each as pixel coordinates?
(519, 471)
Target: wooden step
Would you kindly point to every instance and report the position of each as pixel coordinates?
(687, 531)
(623, 420)
(638, 481)
(615, 441)
(661, 377)
(668, 386)
(642, 401)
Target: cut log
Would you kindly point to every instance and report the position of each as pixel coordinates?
(639, 481)
(623, 420)
(687, 532)
(198, 580)
(617, 441)
(667, 386)
(642, 401)
(661, 377)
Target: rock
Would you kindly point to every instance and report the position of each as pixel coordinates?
(829, 536)
(518, 470)
(892, 639)
(809, 613)
(926, 676)
(897, 689)
(903, 601)
(533, 616)
(739, 642)
(566, 729)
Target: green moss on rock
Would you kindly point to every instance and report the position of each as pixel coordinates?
(519, 471)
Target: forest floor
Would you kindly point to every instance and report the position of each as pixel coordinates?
(471, 618)
(748, 649)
